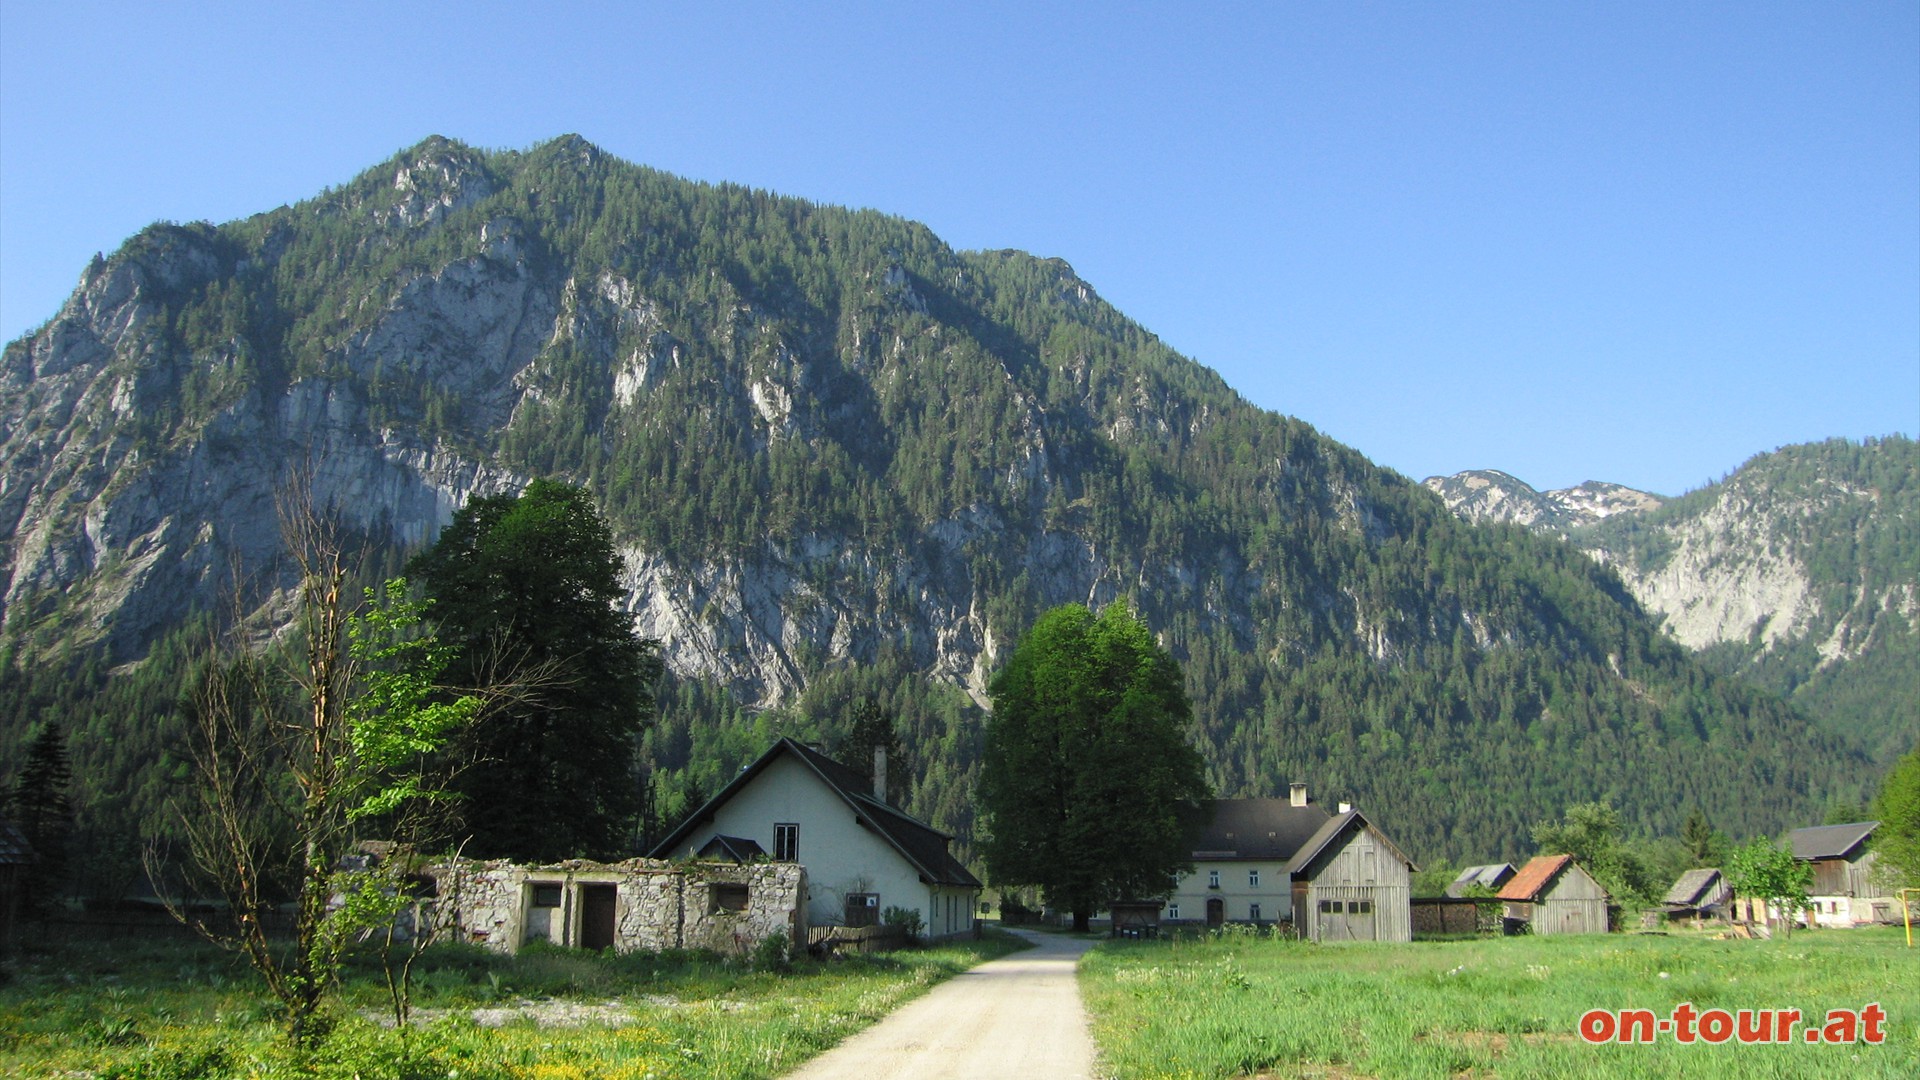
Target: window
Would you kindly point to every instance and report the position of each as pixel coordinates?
(724, 898)
(1326, 907)
(1253, 912)
(1173, 911)
(1253, 879)
(786, 842)
(1366, 906)
(1213, 879)
(546, 895)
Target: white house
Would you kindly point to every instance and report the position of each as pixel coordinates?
(862, 855)
(1334, 876)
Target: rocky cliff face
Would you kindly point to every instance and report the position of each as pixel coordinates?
(1801, 564)
(1491, 495)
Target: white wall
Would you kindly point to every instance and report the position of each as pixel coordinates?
(1273, 894)
(840, 856)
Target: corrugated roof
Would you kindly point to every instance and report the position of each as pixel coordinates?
(1686, 891)
(1271, 830)
(1829, 841)
(1535, 877)
(922, 845)
(1489, 876)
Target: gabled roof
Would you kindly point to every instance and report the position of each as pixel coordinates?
(1687, 891)
(1536, 877)
(1270, 830)
(920, 844)
(737, 848)
(1830, 841)
(1336, 827)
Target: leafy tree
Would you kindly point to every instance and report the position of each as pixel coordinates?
(1763, 871)
(532, 578)
(1590, 832)
(41, 802)
(1898, 810)
(1087, 767)
(292, 750)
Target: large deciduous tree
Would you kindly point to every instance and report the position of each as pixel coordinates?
(1087, 765)
(1765, 871)
(533, 577)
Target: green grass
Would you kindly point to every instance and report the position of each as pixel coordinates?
(1241, 1005)
(175, 1011)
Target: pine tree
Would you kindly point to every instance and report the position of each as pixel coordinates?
(41, 801)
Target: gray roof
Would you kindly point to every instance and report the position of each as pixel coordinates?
(1490, 876)
(923, 846)
(14, 849)
(1270, 830)
(1829, 841)
(1335, 828)
(738, 848)
(1686, 892)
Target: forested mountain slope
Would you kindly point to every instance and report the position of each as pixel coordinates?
(842, 459)
(1799, 572)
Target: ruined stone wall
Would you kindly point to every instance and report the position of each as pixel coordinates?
(658, 904)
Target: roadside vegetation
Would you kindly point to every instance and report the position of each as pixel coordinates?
(176, 1010)
(1244, 1004)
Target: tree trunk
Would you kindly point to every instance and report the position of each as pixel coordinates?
(1082, 920)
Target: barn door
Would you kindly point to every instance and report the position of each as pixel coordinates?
(1347, 916)
(596, 916)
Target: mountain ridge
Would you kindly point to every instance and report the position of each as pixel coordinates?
(838, 457)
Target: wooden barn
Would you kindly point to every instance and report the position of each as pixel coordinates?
(1843, 892)
(1553, 895)
(1351, 883)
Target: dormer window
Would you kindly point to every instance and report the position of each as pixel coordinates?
(786, 842)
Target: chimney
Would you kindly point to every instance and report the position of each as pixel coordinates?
(880, 773)
(1345, 806)
(1297, 794)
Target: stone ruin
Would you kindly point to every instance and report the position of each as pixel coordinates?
(638, 904)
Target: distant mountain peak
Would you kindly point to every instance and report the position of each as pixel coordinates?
(1492, 495)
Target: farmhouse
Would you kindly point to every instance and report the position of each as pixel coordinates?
(1843, 892)
(1335, 876)
(862, 854)
(1699, 894)
(1553, 895)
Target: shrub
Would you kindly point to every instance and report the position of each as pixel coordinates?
(774, 952)
(907, 919)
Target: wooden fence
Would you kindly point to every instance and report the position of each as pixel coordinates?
(866, 939)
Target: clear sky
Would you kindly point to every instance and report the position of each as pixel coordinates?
(1619, 241)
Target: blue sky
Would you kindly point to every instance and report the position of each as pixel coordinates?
(1631, 242)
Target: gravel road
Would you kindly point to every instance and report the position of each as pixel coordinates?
(1018, 1016)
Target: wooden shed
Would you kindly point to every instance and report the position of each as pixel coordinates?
(1699, 894)
(1843, 891)
(1553, 895)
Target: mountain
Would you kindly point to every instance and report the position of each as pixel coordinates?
(1491, 495)
(1799, 572)
(841, 460)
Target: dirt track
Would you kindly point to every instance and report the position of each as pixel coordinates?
(1018, 1016)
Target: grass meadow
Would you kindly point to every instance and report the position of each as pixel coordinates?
(146, 1010)
(1239, 1004)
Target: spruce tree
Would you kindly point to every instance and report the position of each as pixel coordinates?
(41, 802)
